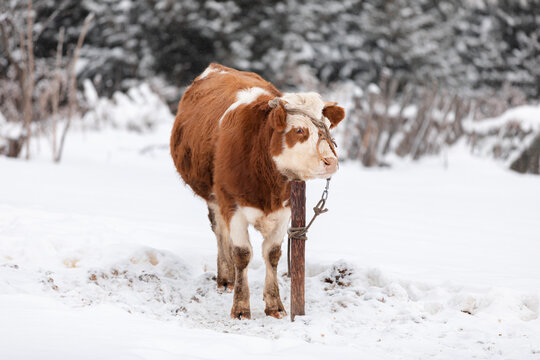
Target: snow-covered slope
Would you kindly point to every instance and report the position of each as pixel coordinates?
(507, 136)
(109, 256)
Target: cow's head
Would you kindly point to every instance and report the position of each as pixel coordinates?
(301, 146)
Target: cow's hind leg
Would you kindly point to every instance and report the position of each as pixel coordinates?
(225, 265)
(241, 253)
(273, 231)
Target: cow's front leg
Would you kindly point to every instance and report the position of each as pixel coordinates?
(273, 233)
(241, 254)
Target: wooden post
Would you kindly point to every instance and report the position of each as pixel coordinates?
(298, 246)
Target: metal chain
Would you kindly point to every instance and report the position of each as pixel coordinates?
(300, 233)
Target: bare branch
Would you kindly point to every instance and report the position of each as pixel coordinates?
(56, 91)
(73, 83)
(29, 83)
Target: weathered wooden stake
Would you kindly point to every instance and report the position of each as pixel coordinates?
(298, 246)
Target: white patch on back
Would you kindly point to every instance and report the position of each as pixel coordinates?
(209, 70)
(245, 96)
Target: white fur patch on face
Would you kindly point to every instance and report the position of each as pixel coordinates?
(310, 102)
(246, 96)
(302, 159)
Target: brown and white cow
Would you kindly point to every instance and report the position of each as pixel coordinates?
(237, 141)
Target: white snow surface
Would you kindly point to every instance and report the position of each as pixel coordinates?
(109, 256)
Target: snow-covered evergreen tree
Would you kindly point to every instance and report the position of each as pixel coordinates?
(470, 45)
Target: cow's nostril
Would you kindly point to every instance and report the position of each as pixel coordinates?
(330, 161)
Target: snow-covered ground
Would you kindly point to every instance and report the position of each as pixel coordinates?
(109, 256)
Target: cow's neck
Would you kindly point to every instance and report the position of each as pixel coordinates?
(274, 186)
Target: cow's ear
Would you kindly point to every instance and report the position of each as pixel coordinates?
(334, 113)
(278, 115)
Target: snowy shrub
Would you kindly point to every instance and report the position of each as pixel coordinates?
(11, 137)
(34, 88)
(426, 120)
(420, 122)
(513, 137)
(140, 109)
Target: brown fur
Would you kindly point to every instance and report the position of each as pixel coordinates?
(273, 255)
(274, 306)
(292, 136)
(195, 130)
(241, 307)
(278, 116)
(244, 170)
(212, 219)
(241, 257)
(225, 264)
(335, 114)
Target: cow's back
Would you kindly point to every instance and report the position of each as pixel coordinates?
(196, 127)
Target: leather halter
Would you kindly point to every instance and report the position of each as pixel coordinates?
(324, 132)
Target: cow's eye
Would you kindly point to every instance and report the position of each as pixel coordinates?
(299, 131)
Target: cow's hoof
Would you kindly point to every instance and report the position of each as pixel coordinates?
(278, 314)
(241, 314)
(226, 288)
